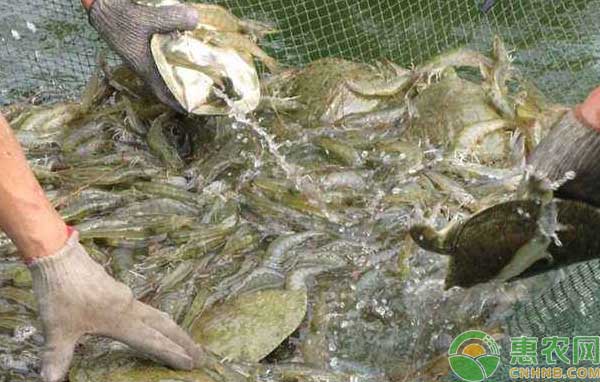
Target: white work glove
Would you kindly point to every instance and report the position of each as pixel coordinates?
(76, 297)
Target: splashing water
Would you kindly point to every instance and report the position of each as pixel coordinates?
(293, 172)
(241, 120)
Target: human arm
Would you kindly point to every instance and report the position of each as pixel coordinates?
(75, 295)
(26, 215)
(128, 28)
(573, 144)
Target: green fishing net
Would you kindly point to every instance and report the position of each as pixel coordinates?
(48, 50)
(47, 46)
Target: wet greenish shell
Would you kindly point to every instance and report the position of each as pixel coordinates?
(193, 86)
(252, 325)
(487, 242)
(121, 366)
(456, 113)
(322, 82)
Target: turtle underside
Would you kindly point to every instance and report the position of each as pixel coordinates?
(487, 242)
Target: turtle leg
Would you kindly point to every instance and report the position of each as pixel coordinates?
(534, 250)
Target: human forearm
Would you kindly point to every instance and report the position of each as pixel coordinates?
(87, 4)
(573, 146)
(26, 215)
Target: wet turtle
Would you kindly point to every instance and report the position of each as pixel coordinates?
(484, 119)
(514, 239)
(331, 90)
(247, 326)
(250, 326)
(261, 311)
(213, 62)
(334, 91)
(124, 366)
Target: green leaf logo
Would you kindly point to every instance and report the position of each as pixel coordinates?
(474, 356)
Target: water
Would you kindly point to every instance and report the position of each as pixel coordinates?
(293, 172)
(384, 312)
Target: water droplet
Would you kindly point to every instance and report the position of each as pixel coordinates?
(31, 26)
(22, 333)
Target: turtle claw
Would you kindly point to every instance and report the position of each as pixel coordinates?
(569, 175)
(535, 186)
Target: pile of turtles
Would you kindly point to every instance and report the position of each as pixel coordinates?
(281, 239)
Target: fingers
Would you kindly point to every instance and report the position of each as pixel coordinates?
(57, 357)
(162, 323)
(589, 111)
(166, 20)
(176, 18)
(154, 344)
(160, 89)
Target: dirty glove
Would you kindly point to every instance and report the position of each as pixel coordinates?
(573, 144)
(76, 297)
(128, 28)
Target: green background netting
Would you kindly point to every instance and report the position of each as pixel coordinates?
(47, 48)
(570, 308)
(555, 41)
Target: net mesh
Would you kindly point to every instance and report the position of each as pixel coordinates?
(48, 49)
(567, 309)
(48, 46)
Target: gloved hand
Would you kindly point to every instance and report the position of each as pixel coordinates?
(573, 144)
(76, 297)
(128, 28)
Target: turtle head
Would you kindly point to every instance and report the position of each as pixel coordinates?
(429, 239)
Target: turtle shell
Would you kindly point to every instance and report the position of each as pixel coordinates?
(199, 68)
(126, 366)
(579, 237)
(488, 241)
(485, 243)
(250, 326)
